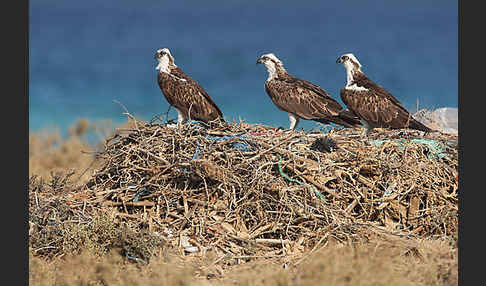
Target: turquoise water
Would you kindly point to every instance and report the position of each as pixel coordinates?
(86, 54)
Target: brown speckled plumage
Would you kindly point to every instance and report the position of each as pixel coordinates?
(306, 100)
(188, 96)
(377, 106)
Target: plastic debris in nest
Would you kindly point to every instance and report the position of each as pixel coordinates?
(242, 146)
(435, 147)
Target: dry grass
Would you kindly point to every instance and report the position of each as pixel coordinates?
(111, 269)
(421, 262)
(245, 205)
(50, 154)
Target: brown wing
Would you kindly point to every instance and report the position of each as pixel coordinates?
(188, 96)
(378, 107)
(306, 100)
(362, 80)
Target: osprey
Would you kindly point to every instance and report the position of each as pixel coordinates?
(302, 99)
(183, 93)
(375, 106)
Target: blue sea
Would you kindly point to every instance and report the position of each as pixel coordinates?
(85, 55)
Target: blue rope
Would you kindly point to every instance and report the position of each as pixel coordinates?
(135, 258)
(435, 147)
(243, 147)
(196, 155)
(139, 193)
(280, 169)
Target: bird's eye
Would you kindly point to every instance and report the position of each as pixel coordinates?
(345, 58)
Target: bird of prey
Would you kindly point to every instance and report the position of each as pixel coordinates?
(189, 99)
(371, 103)
(302, 99)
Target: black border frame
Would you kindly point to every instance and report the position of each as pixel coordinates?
(15, 52)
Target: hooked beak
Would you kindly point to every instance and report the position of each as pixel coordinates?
(259, 61)
(339, 60)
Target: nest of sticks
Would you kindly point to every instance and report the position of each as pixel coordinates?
(255, 191)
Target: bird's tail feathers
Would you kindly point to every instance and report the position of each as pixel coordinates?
(346, 119)
(417, 125)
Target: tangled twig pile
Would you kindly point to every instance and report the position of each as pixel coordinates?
(252, 191)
